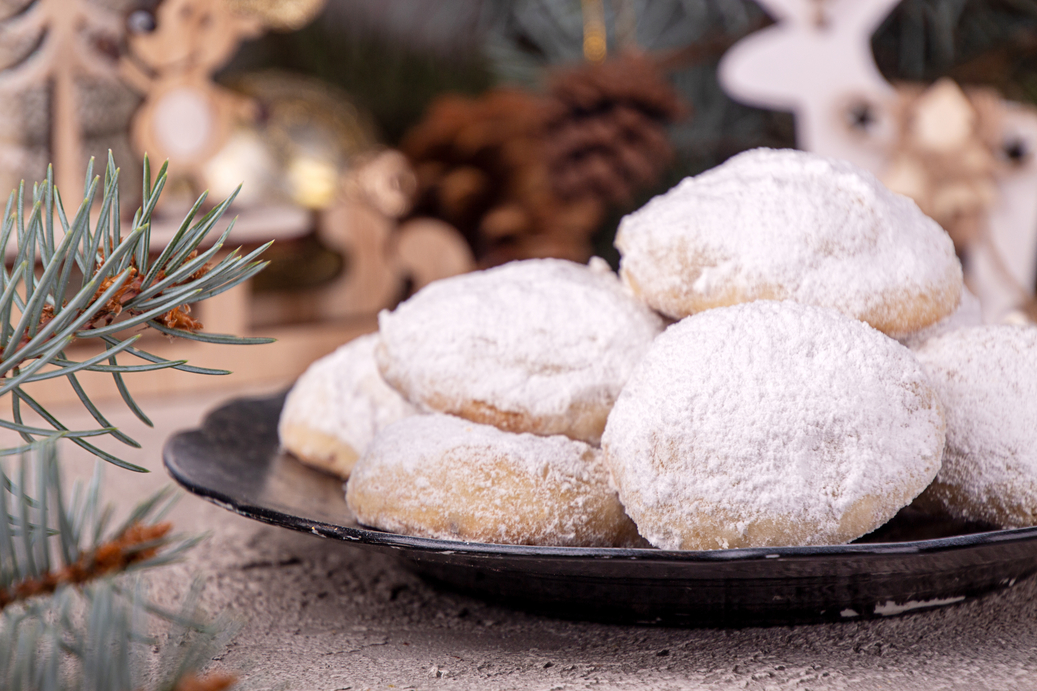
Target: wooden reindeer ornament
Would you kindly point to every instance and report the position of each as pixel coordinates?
(817, 62)
(383, 257)
(174, 49)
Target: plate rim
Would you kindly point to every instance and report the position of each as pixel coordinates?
(373, 537)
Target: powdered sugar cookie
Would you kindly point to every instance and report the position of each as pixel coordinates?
(443, 477)
(986, 378)
(789, 225)
(768, 424)
(336, 406)
(968, 314)
(541, 346)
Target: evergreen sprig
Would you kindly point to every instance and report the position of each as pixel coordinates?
(72, 613)
(98, 282)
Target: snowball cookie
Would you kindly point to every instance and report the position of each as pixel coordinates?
(541, 346)
(788, 225)
(769, 424)
(969, 313)
(443, 477)
(337, 406)
(986, 378)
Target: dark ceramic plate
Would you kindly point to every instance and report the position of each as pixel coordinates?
(913, 563)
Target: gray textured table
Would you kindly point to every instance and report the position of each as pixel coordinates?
(324, 616)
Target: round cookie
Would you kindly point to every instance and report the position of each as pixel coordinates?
(986, 378)
(969, 313)
(336, 407)
(789, 225)
(541, 346)
(770, 424)
(443, 477)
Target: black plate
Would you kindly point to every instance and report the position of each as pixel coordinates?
(234, 461)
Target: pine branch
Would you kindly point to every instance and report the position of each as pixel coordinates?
(138, 543)
(98, 638)
(122, 289)
(72, 613)
(41, 521)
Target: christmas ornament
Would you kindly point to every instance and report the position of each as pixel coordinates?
(816, 61)
(173, 52)
(945, 155)
(307, 137)
(384, 258)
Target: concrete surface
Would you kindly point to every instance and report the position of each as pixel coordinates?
(327, 616)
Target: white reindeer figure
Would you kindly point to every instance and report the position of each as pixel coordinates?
(817, 62)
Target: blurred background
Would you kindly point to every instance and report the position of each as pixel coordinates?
(385, 145)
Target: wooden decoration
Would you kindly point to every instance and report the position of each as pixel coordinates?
(64, 40)
(428, 249)
(941, 159)
(1002, 267)
(420, 250)
(173, 49)
(967, 158)
(381, 254)
(817, 61)
(173, 54)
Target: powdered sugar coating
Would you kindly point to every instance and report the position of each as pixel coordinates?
(785, 224)
(541, 346)
(771, 423)
(443, 477)
(337, 405)
(986, 377)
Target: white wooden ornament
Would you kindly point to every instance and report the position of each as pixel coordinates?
(816, 61)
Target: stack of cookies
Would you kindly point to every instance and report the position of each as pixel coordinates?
(514, 370)
(739, 384)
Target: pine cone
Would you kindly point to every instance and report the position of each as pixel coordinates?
(522, 175)
(608, 138)
(480, 167)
